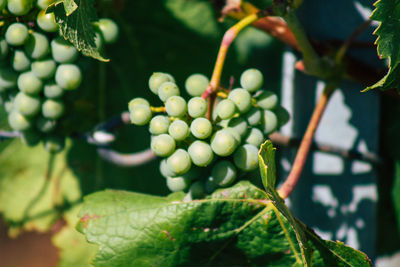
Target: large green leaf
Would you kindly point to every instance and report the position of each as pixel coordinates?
(34, 187)
(388, 41)
(76, 18)
(237, 226)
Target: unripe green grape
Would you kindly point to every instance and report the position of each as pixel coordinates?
(37, 45)
(44, 69)
(17, 34)
(178, 130)
(197, 107)
(235, 134)
(200, 153)
(108, 29)
(98, 40)
(20, 61)
(30, 137)
(239, 125)
(223, 173)
(267, 100)
(196, 190)
(255, 137)
(176, 184)
(9, 106)
(68, 76)
(196, 84)
(253, 116)
(137, 101)
(140, 114)
(166, 90)
(163, 145)
(45, 125)
(251, 80)
(3, 4)
(226, 109)
(179, 162)
(241, 98)
(223, 143)
(54, 143)
(176, 106)
(8, 78)
(164, 170)
(18, 122)
(246, 157)
(47, 22)
(29, 83)
(201, 128)
(282, 115)
(52, 90)
(43, 4)
(159, 124)
(269, 122)
(19, 7)
(27, 105)
(52, 109)
(3, 48)
(157, 79)
(63, 51)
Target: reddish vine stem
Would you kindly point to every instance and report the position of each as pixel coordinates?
(286, 189)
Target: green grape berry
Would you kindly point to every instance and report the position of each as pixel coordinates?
(8, 78)
(163, 145)
(255, 137)
(141, 114)
(239, 125)
(282, 115)
(176, 106)
(68, 76)
(251, 80)
(20, 61)
(52, 90)
(269, 122)
(253, 116)
(241, 98)
(52, 109)
(178, 130)
(19, 7)
(54, 143)
(44, 69)
(197, 107)
(27, 105)
(43, 4)
(37, 45)
(164, 170)
(226, 109)
(201, 128)
(176, 184)
(29, 83)
(267, 100)
(108, 29)
(166, 90)
(3, 4)
(157, 79)
(63, 51)
(200, 153)
(18, 122)
(137, 101)
(159, 124)
(17, 34)
(223, 174)
(196, 190)
(45, 125)
(196, 84)
(3, 48)
(179, 162)
(223, 143)
(246, 157)
(47, 22)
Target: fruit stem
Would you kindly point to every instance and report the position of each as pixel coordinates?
(158, 109)
(286, 189)
(227, 40)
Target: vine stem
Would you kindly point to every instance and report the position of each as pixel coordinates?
(227, 40)
(287, 187)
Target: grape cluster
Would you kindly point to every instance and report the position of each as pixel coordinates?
(222, 145)
(37, 67)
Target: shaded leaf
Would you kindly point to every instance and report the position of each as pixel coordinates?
(76, 24)
(388, 41)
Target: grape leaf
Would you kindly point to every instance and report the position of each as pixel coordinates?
(74, 249)
(388, 41)
(33, 189)
(75, 19)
